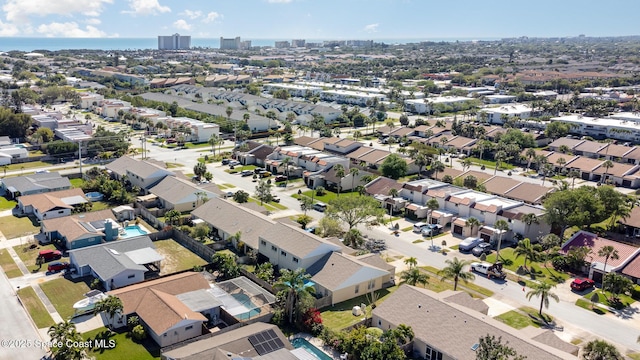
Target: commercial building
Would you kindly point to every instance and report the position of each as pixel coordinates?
(174, 42)
(230, 43)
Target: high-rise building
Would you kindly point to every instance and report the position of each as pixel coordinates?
(298, 43)
(174, 42)
(282, 44)
(230, 44)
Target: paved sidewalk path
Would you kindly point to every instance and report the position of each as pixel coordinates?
(47, 304)
(18, 261)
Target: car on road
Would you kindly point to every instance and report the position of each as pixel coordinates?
(57, 266)
(431, 229)
(245, 173)
(482, 248)
(469, 243)
(490, 270)
(581, 284)
(229, 194)
(321, 207)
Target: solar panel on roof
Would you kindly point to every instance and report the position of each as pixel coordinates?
(266, 342)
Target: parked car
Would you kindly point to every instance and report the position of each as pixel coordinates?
(280, 178)
(417, 227)
(275, 199)
(57, 266)
(482, 248)
(581, 284)
(491, 270)
(234, 163)
(265, 174)
(321, 207)
(49, 254)
(245, 173)
(226, 161)
(258, 170)
(431, 229)
(469, 243)
(229, 194)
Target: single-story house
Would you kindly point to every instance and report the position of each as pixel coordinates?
(167, 319)
(117, 263)
(34, 184)
(460, 324)
(631, 223)
(52, 204)
(180, 194)
(82, 230)
(141, 173)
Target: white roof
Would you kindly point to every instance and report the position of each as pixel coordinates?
(144, 256)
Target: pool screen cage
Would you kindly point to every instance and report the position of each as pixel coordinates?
(243, 288)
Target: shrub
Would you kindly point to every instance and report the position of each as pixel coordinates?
(138, 333)
(96, 284)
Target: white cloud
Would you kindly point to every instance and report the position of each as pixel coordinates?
(93, 21)
(279, 1)
(211, 17)
(146, 7)
(8, 29)
(182, 25)
(20, 10)
(191, 14)
(69, 29)
(371, 28)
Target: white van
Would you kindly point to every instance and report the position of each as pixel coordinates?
(417, 227)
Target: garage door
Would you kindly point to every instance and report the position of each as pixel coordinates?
(597, 277)
(485, 237)
(457, 229)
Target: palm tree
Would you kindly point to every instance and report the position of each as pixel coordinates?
(530, 154)
(608, 164)
(608, 252)
(499, 157)
(111, 305)
(414, 276)
(437, 167)
(526, 249)
(339, 169)
(562, 162)
(172, 216)
(354, 172)
(573, 174)
(286, 162)
(411, 262)
(600, 350)
(65, 333)
(455, 270)
(213, 141)
(472, 223)
(530, 219)
(543, 290)
(432, 205)
(502, 226)
(297, 288)
(466, 164)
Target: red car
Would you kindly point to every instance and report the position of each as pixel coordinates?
(582, 284)
(57, 266)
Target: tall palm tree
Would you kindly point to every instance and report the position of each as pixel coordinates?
(608, 164)
(466, 164)
(562, 162)
(354, 172)
(297, 287)
(111, 305)
(499, 157)
(573, 174)
(529, 219)
(411, 262)
(340, 173)
(530, 154)
(213, 141)
(543, 290)
(502, 226)
(414, 276)
(286, 162)
(472, 223)
(437, 167)
(455, 270)
(432, 205)
(609, 252)
(601, 350)
(526, 250)
(65, 333)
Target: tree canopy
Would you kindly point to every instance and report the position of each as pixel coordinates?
(355, 210)
(394, 167)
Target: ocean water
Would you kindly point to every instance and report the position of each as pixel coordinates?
(28, 44)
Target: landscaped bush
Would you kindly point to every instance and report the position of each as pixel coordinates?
(138, 333)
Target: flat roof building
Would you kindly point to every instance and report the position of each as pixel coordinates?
(174, 42)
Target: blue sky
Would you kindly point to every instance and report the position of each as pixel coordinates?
(318, 19)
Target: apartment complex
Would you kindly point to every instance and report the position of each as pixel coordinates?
(174, 42)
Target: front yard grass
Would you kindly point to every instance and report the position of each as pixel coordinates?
(588, 305)
(125, 348)
(461, 285)
(29, 256)
(176, 257)
(537, 270)
(340, 315)
(6, 204)
(603, 298)
(490, 164)
(9, 266)
(63, 293)
(515, 319)
(13, 227)
(35, 307)
(240, 168)
(327, 197)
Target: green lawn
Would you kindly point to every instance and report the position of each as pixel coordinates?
(588, 305)
(490, 164)
(461, 285)
(28, 165)
(190, 145)
(100, 205)
(515, 319)
(13, 227)
(277, 205)
(537, 271)
(9, 266)
(7, 204)
(340, 316)
(176, 257)
(237, 169)
(29, 256)
(125, 348)
(328, 196)
(35, 307)
(77, 183)
(63, 293)
(603, 296)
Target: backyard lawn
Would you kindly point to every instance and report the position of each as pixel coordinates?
(125, 348)
(340, 315)
(176, 257)
(328, 196)
(63, 293)
(490, 164)
(35, 307)
(13, 227)
(537, 270)
(29, 256)
(7, 204)
(9, 266)
(77, 183)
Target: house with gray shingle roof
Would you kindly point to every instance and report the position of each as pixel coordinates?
(34, 184)
(141, 173)
(180, 194)
(118, 263)
(459, 328)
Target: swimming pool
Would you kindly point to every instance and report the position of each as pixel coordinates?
(246, 302)
(94, 196)
(132, 231)
(302, 343)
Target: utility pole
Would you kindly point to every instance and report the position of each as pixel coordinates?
(80, 156)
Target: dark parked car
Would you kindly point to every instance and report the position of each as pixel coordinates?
(246, 173)
(582, 284)
(280, 178)
(226, 161)
(483, 248)
(57, 266)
